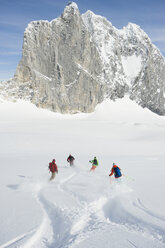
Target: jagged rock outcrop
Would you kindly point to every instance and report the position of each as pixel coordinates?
(62, 63)
(130, 62)
(76, 61)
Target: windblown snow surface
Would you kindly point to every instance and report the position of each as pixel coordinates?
(82, 209)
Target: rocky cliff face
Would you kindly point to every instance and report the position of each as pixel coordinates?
(76, 61)
(61, 64)
(131, 63)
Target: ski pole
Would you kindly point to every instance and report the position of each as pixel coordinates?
(129, 177)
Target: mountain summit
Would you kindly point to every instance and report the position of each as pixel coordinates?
(76, 61)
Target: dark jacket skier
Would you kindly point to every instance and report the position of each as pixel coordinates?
(70, 160)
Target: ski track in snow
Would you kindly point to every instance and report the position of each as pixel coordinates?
(64, 227)
(141, 222)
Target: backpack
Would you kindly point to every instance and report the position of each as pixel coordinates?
(50, 167)
(95, 162)
(71, 158)
(117, 172)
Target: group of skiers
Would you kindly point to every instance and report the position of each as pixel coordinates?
(115, 170)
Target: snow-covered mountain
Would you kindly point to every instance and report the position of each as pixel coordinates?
(76, 61)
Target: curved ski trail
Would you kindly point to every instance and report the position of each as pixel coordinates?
(77, 206)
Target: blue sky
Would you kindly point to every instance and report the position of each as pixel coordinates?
(16, 14)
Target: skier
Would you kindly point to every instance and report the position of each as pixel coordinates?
(53, 169)
(70, 160)
(94, 163)
(116, 171)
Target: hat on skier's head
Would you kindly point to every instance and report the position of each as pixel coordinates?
(53, 160)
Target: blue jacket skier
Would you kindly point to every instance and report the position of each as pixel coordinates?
(116, 171)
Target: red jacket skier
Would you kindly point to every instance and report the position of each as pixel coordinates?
(53, 169)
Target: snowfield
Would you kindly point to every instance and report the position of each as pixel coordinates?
(79, 208)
